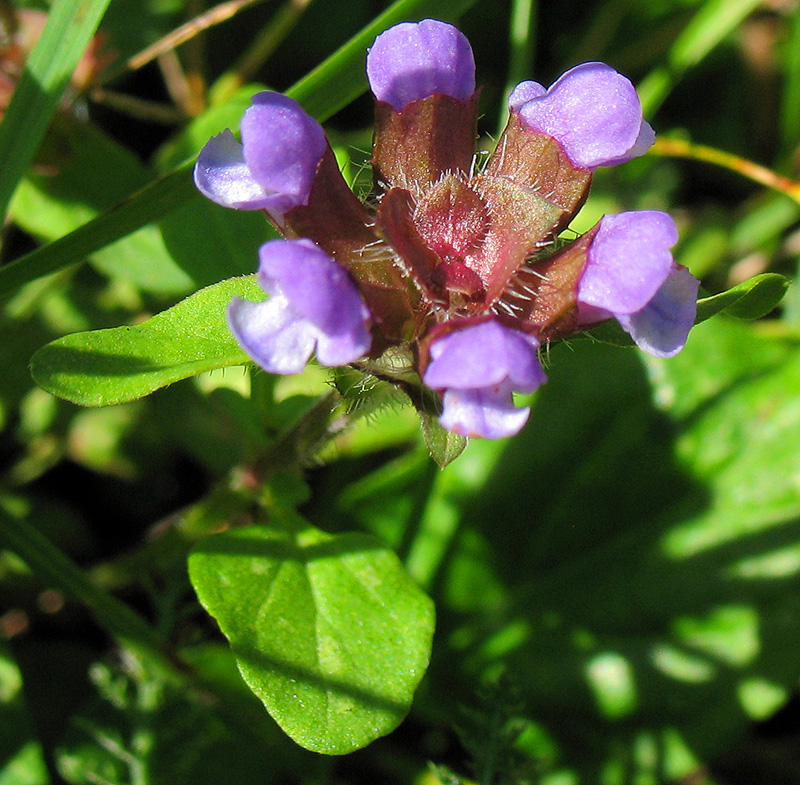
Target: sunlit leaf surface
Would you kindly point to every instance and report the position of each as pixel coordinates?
(328, 631)
(124, 363)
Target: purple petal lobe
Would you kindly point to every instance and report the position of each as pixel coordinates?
(662, 326)
(642, 144)
(628, 261)
(313, 305)
(524, 92)
(488, 413)
(414, 60)
(271, 334)
(478, 368)
(316, 286)
(221, 175)
(483, 355)
(282, 147)
(594, 113)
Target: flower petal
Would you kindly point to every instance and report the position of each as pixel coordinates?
(282, 147)
(318, 289)
(662, 326)
(271, 334)
(221, 175)
(414, 60)
(468, 358)
(643, 143)
(627, 261)
(484, 355)
(344, 347)
(594, 113)
(488, 413)
(524, 92)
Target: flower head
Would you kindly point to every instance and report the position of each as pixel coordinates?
(312, 305)
(461, 271)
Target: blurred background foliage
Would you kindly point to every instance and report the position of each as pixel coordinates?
(617, 589)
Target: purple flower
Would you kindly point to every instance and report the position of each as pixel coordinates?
(630, 274)
(592, 111)
(459, 271)
(312, 305)
(662, 326)
(478, 368)
(414, 60)
(274, 167)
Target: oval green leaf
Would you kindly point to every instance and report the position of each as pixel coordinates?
(328, 631)
(104, 367)
(750, 299)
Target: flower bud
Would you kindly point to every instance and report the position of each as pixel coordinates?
(412, 60)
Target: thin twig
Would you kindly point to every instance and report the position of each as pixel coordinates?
(214, 16)
(136, 107)
(177, 84)
(680, 148)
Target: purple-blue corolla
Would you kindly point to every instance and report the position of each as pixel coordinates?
(478, 369)
(313, 306)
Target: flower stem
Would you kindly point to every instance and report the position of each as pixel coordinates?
(680, 148)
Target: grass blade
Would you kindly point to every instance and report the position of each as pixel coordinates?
(713, 22)
(329, 87)
(522, 49)
(70, 26)
(790, 109)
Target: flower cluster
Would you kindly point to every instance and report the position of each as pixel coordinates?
(459, 269)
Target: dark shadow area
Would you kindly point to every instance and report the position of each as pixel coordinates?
(287, 672)
(579, 521)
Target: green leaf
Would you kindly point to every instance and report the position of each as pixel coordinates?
(69, 28)
(146, 205)
(104, 367)
(76, 187)
(21, 758)
(750, 299)
(329, 87)
(142, 728)
(649, 544)
(328, 631)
